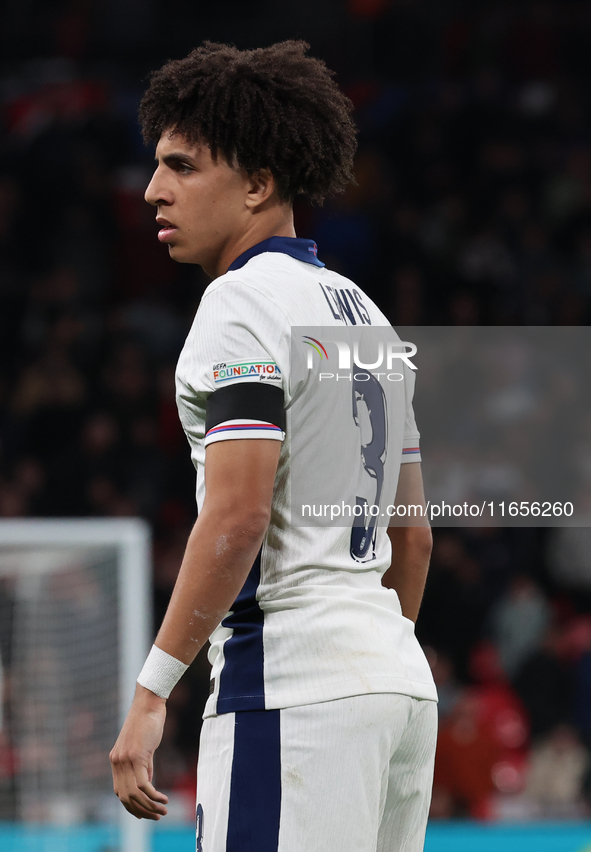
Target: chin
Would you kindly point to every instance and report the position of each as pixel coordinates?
(180, 255)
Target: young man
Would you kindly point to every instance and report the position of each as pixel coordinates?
(319, 733)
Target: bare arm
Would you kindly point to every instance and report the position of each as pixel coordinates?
(221, 549)
(411, 546)
(239, 478)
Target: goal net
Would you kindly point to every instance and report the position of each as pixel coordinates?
(74, 632)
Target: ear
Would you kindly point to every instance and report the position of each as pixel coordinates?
(261, 187)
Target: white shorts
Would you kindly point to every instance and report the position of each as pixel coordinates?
(352, 775)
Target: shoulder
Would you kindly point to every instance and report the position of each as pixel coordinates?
(263, 273)
(237, 319)
(242, 289)
(271, 287)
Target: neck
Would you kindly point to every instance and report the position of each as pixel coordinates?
(277, 222)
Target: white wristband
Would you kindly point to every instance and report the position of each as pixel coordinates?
(161, 672)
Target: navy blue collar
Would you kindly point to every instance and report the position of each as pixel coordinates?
(293, 246)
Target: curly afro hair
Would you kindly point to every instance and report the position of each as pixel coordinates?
(273, 107)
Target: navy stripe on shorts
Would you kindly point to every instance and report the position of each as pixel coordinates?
(255, 787)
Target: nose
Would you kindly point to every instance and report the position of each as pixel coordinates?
(156, 192)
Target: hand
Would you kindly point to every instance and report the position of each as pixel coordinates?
(132, 756)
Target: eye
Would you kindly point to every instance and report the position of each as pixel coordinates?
(183, 168)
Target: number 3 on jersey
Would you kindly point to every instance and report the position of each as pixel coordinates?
(371, 417)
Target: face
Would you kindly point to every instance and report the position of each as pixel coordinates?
(202, 203)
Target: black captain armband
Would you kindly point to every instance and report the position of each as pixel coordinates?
(245, 410)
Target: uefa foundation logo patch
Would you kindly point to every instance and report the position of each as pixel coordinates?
(257, 371)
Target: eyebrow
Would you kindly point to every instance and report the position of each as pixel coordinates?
(175, 157)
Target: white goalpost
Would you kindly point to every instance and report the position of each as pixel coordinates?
(75, 627)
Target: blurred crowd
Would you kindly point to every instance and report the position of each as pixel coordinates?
(508, 636)
(472, 206)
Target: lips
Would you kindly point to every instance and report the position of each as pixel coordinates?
(167, 229)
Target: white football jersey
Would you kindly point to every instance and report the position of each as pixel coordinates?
(313, 622)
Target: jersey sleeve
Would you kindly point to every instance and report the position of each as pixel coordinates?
(238, 361)
(411, 451)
